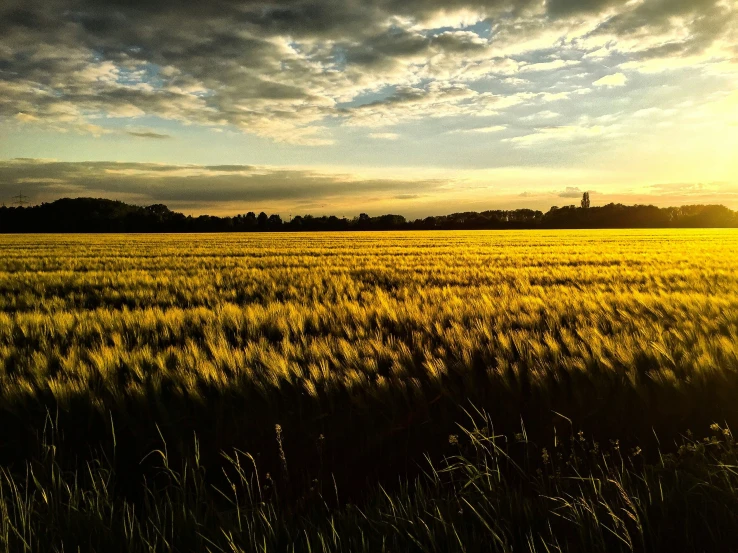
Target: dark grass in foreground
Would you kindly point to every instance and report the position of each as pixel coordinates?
(493, 494)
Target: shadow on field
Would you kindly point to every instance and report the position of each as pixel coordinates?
(348, 440)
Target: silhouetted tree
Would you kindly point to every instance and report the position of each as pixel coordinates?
(585, 200)
(99, 215)
(249, 221)
(158, 209)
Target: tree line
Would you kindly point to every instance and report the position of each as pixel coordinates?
(100, 215)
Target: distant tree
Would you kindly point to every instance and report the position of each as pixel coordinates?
(389, 221)
(249, 221)
(159, 210)
(101, 215)
(431, 222)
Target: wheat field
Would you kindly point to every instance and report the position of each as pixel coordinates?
(366, 352)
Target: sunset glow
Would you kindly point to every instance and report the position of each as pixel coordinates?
(340, 107)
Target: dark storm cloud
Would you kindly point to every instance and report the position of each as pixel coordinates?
(165, 30)
(279, 68)
(384, 48)
(148, 182)
(391, 46)
(569, 7)
(704, 19)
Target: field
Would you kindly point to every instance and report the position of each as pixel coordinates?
(428, 391)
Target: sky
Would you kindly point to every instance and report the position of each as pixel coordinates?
(417, 107)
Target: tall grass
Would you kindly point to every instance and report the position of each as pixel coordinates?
(491, 494)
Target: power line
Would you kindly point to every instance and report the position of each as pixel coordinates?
(20, 200)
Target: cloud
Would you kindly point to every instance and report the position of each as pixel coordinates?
(292, 71)
(207, 187)
(564, 133)
(571, 192)
(616, 79)
(148, 134)
(25, 117)
(481, 130)
(230, 189)
(694, 189)
(545, 114)
(384, 135)
(408, 103)
(548, 66)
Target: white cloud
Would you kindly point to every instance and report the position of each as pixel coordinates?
(600, 53)
(546, 114)
(616, 79)
(562, 133)
(25, 117)
(482, 130)
(384, 135)
(548, 66)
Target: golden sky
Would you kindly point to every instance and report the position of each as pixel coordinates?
(406, 106)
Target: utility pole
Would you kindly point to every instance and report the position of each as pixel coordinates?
(21, 200)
